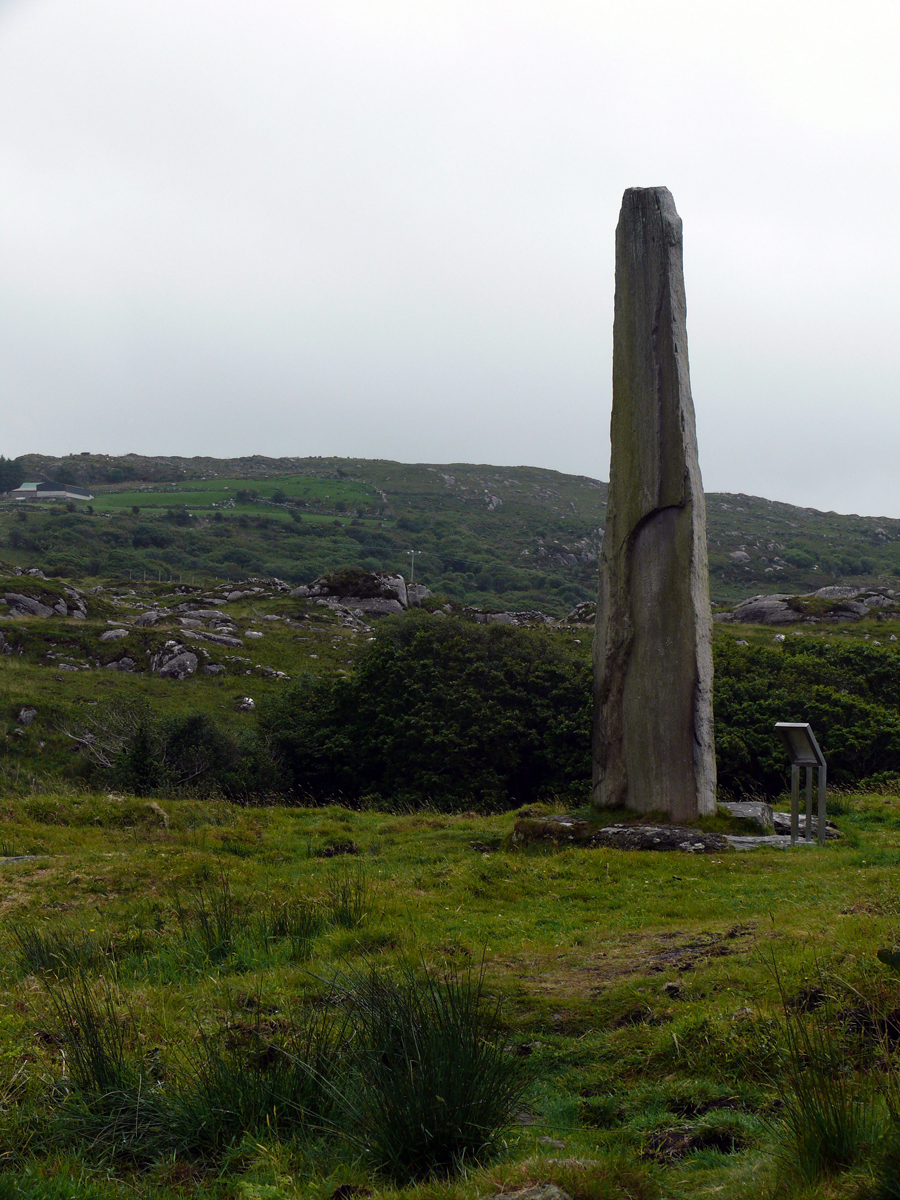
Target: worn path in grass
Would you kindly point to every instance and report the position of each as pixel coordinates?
(638, 986)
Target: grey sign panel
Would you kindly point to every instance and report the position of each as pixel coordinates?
(800, 743)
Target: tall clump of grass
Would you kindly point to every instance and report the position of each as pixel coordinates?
(348, 898)
(111, 1102)
(297, 921)
(210, 918)
(833, 1113)
(227, 1086)
(59, 951)
(431, 1081)
(255, 1085)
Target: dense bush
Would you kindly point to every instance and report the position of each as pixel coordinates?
(12, 474)
(445, 712)
(850, 694)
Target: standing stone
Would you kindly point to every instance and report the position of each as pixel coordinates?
(653, 728)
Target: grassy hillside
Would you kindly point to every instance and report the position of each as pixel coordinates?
(500, 537)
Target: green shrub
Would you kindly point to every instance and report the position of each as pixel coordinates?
(849, 693)
(143, 751)
(441, 712)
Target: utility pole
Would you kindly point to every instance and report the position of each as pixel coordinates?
(412, 564)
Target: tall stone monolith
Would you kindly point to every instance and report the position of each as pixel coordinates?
(653, 727)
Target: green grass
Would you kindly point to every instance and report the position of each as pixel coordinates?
(636, 988)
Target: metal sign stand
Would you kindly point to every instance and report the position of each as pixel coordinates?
(803, 751)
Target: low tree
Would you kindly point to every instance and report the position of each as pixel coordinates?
(12, 474)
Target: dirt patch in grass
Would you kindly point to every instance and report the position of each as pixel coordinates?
(669, 1145)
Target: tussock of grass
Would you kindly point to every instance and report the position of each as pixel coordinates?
(833, 1113)
(412, 1070)
(60, 951)
(348, 898)
(433, 1082)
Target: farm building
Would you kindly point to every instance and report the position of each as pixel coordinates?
(49, 491)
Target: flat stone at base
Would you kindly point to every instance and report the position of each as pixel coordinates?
(782, 822)
(751, 810)
(778, 840)
(660, 837)
(541, 1191)
(576, 832)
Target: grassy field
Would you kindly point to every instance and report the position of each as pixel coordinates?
(243, 495)
(640, 993)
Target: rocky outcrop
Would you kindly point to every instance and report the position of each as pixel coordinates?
(828, 604)
(150, 618)
(46, 604)
(584, 613)
(368, 593)
(765, 610)
(653, 726)
(531, 616)
(26, 606)
(218, 639)
(173, 661)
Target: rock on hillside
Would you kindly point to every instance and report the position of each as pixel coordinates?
(42, 602)
(827, 604)
(372, 593)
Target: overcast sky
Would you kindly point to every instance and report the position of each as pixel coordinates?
(386, 228)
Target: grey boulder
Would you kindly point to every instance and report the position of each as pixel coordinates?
(26, 606)
(751, 810)
(766, 610)
(179, 667)
(375, 606)
(149, 618)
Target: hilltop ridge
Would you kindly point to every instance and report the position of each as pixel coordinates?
(517, 537)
